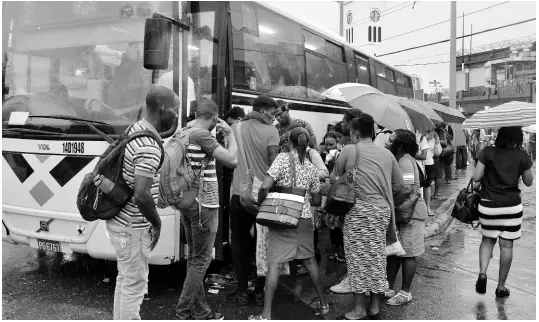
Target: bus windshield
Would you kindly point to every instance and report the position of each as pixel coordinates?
(85, 60)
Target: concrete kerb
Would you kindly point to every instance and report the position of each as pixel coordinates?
(443, 217)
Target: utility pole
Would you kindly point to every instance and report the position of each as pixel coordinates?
(453, 57)
(341, 25)
(462, 35)
(471, 32)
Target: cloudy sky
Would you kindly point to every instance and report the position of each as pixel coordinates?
(424, 13)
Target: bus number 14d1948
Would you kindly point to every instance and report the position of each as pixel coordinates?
(73, 147)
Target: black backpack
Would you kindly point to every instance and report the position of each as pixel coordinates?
(94, 203)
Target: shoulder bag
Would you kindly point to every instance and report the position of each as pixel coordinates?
(405, 211)
(341, 197)
(282, 209)
(249, 184)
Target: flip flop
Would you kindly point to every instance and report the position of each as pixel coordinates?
(257, 317)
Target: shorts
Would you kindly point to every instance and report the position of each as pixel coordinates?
(429, 179)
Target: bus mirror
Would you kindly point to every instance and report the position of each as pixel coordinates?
(157, 34)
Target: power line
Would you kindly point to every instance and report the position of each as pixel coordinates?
(447, 53)
(383, 14)
(443, 41)
(441, 22)
(432, 63)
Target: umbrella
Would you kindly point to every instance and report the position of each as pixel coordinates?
(385, 111)
(505, 115)
(427, 110)
(449, 115)
(348, 91)
(529, 129)
(417, 114)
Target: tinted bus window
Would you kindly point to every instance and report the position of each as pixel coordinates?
(363, 75)
(323, 73)
(399, 78)
(315, 43)
(380, 70)
(335, 52)
(407, 81)
(268, 51)
(390, 75)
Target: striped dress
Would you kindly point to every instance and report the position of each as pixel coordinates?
(500, 209)
(142, 157)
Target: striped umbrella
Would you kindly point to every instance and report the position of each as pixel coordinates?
(449, 115)
(505, 115)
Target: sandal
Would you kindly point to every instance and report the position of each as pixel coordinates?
(343, 317)
(323, 309)
(341, 259)
(375, 317)
(481, 284)
(502, 293)
(258, 317)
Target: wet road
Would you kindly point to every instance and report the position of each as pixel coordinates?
(443, 287)
(78, 291)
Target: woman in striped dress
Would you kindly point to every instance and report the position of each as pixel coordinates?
(498, 172)
(371, 222)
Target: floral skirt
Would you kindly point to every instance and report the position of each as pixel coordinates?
(322, 217)
(262, 253)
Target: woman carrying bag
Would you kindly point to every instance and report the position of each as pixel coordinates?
(369, 226)
(292, 170)
(410, 217)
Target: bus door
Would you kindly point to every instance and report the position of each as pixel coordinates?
(362, 69)
(207, 70)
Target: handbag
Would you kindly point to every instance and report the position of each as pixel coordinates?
(467, 204)
(250, 184)
(282, 208)
(395, 249)
(342, 197)
(405, 211)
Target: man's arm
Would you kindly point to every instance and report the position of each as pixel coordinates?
(144, 200)
(273, 151)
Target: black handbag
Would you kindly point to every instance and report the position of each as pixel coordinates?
(466, 206)
(342, 197)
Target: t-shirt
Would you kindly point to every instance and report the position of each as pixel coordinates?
(503, 169)
(423, 145)
(256, 137)
(142, 157)
(201, 146)
(410, 175)
(430, 152)
(306, 177)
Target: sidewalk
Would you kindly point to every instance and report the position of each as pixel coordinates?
(332, 272)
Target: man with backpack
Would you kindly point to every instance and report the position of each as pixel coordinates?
(258, 144)
(201, 218)
(135, 231)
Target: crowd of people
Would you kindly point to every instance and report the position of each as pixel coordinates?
(268, 150)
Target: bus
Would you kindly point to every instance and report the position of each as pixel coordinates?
(69, 65)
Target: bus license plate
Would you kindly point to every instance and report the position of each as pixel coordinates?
(50, 245)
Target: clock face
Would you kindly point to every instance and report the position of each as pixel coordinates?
(375, 15)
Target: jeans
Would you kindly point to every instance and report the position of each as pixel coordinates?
(241, 222)
(200, 229)
(462, 157)
(132, 248)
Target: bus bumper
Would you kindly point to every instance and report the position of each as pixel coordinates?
(5, 234)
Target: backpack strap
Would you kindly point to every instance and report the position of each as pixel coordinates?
(152, 135)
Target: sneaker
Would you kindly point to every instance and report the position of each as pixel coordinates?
(400, 299)
(343, 287)
(389, 294)
(215, 316)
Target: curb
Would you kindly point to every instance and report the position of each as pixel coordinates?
(443, 217)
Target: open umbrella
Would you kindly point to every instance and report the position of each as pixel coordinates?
(449, 115)
(505, 115)
(530, 129)
(417, 113)
(384, 110)
(348, 91)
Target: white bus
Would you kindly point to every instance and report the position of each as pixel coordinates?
(68, 63)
